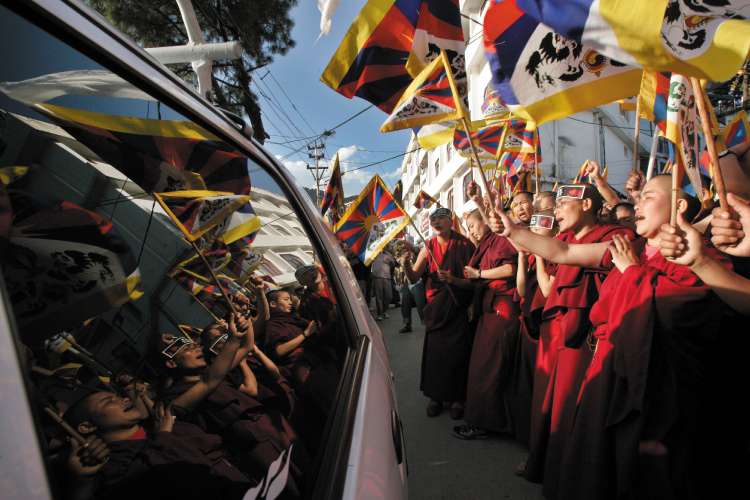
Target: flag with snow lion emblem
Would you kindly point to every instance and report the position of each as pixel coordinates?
(548, 75)
(196, 212)
(372, 221)
(429, 99)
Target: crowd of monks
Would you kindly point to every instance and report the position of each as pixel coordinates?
(231, 401)
(604, 338)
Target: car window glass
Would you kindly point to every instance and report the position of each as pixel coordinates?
(128, 235)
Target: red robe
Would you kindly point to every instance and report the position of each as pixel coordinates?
(491, 362)
(448, 336)
(563, 355)
(530, 315)
(652, 326)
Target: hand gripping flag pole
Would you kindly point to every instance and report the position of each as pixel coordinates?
(700, 99)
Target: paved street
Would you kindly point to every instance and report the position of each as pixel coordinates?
(441, 466)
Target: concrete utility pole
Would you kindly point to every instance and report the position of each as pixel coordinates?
(315, 151)
(197, 52)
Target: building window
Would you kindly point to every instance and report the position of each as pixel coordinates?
(467, 179)
(281, 230)
(437, 166)
(292, 260)
(449, 199)
(269, 268)
(448, 152)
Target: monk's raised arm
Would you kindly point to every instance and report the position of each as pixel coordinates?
(552, 249)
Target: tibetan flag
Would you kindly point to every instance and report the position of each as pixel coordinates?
(196, 212)
(240, 228)
(424, 201)
(653, 97)
(388, 44)
(521, 137)
(548, 75)
(485, 139)
(485, 103)
(582, 177)
(429, 99)
(682, 123)
(371, 221)
(697, 38)
(334, 195)
(158, 155)
(514, 163)
(435, 134)
(737, 131)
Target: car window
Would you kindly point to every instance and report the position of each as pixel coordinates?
(135, 246)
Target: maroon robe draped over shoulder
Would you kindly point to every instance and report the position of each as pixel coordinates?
(495, 341)
(563, 354)
(186, 463)
(448, 336)
(653, 325)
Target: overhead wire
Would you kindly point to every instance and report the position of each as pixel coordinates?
(289, 99)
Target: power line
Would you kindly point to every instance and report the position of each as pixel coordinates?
(274, 102)
(289, 99)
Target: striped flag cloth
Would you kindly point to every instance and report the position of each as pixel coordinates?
(737, 131)
(371, 221)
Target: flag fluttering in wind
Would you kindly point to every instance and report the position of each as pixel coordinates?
(428, 99)
(653, 97)
(486, 140)
(435, 134)
(682, 123)
(326, 8)
(240, 228)
(737, 131)
(158, 155)
(695, 38)
(333, 198)
(197, 212)
(371, 221)
(424, 201)
(64, 265)
(387, 45)
(548, 75)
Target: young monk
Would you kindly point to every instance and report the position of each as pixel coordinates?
(448, 335)
(534, 278)
(492, 268)
(176, 460)
(246, 425)
(636, 406)
(521, 206)
(307, 360)
(563, 352)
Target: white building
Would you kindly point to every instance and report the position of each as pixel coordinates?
(604, 134)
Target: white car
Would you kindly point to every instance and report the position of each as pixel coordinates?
(64, 67)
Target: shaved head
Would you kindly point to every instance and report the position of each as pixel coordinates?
(663, 183)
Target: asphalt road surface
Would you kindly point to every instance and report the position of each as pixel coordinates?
(440, 465)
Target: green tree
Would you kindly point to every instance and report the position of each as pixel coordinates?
(263, 27)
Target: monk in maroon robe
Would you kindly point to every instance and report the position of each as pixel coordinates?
(493, 268)
(636, 407)
(531, 297)
(563, 352)
(448, 333)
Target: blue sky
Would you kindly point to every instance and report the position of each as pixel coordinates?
(299, 72)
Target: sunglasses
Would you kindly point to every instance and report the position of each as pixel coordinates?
(176, 346)
(571, 191)
(215, 347)
(542, 221)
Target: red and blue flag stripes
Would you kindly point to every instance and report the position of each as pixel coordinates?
(486, 139)
(737, 131)
(371, 221)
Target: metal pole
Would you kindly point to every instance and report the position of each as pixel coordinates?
(652, 155)
(636, 134)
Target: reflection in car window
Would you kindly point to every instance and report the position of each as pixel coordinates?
(137, 259)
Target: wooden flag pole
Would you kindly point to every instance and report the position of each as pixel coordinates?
(700, 99)
(636, 134)
(214, 277)
(536, 161)
(499, 169)
(465, 122)
(675, 194)
(652, 154)
(74, 434)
